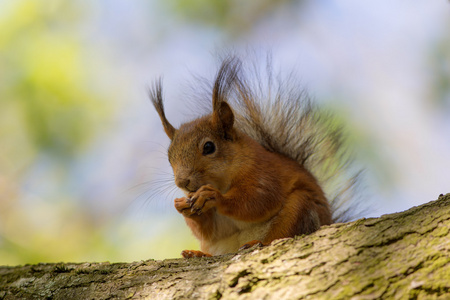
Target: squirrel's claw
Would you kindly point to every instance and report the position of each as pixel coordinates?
(183, 207)
(203, 199)
(251, 244)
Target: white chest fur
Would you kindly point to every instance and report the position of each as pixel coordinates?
(230, 235)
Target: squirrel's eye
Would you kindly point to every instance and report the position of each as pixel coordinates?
(209, 148)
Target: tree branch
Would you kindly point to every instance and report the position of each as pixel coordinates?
(402, 255)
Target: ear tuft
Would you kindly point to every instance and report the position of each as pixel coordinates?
(226, 77)
(155, 95)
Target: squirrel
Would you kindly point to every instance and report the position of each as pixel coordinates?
(247, 167)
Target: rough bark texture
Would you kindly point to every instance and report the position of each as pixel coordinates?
(399, 256)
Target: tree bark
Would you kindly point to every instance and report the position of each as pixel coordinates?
(398, 256)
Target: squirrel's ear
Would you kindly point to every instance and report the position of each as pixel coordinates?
(155, 94)
(224, 118)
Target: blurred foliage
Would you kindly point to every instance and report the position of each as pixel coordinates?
(233, 16)
(47, 108)
(46, 101)
(52, 110)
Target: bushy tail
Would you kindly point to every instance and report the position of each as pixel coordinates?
(280, 115)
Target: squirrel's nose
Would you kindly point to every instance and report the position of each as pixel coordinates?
(182, 182)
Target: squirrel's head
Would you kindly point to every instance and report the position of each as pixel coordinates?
(201, 151)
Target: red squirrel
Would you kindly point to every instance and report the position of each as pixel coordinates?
(246, 169)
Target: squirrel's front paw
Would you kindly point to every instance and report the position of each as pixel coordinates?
(183, 206)
(204, 199)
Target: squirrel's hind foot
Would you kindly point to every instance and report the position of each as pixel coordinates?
(194, 253)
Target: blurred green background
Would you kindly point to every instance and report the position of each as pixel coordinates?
(83, 172)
